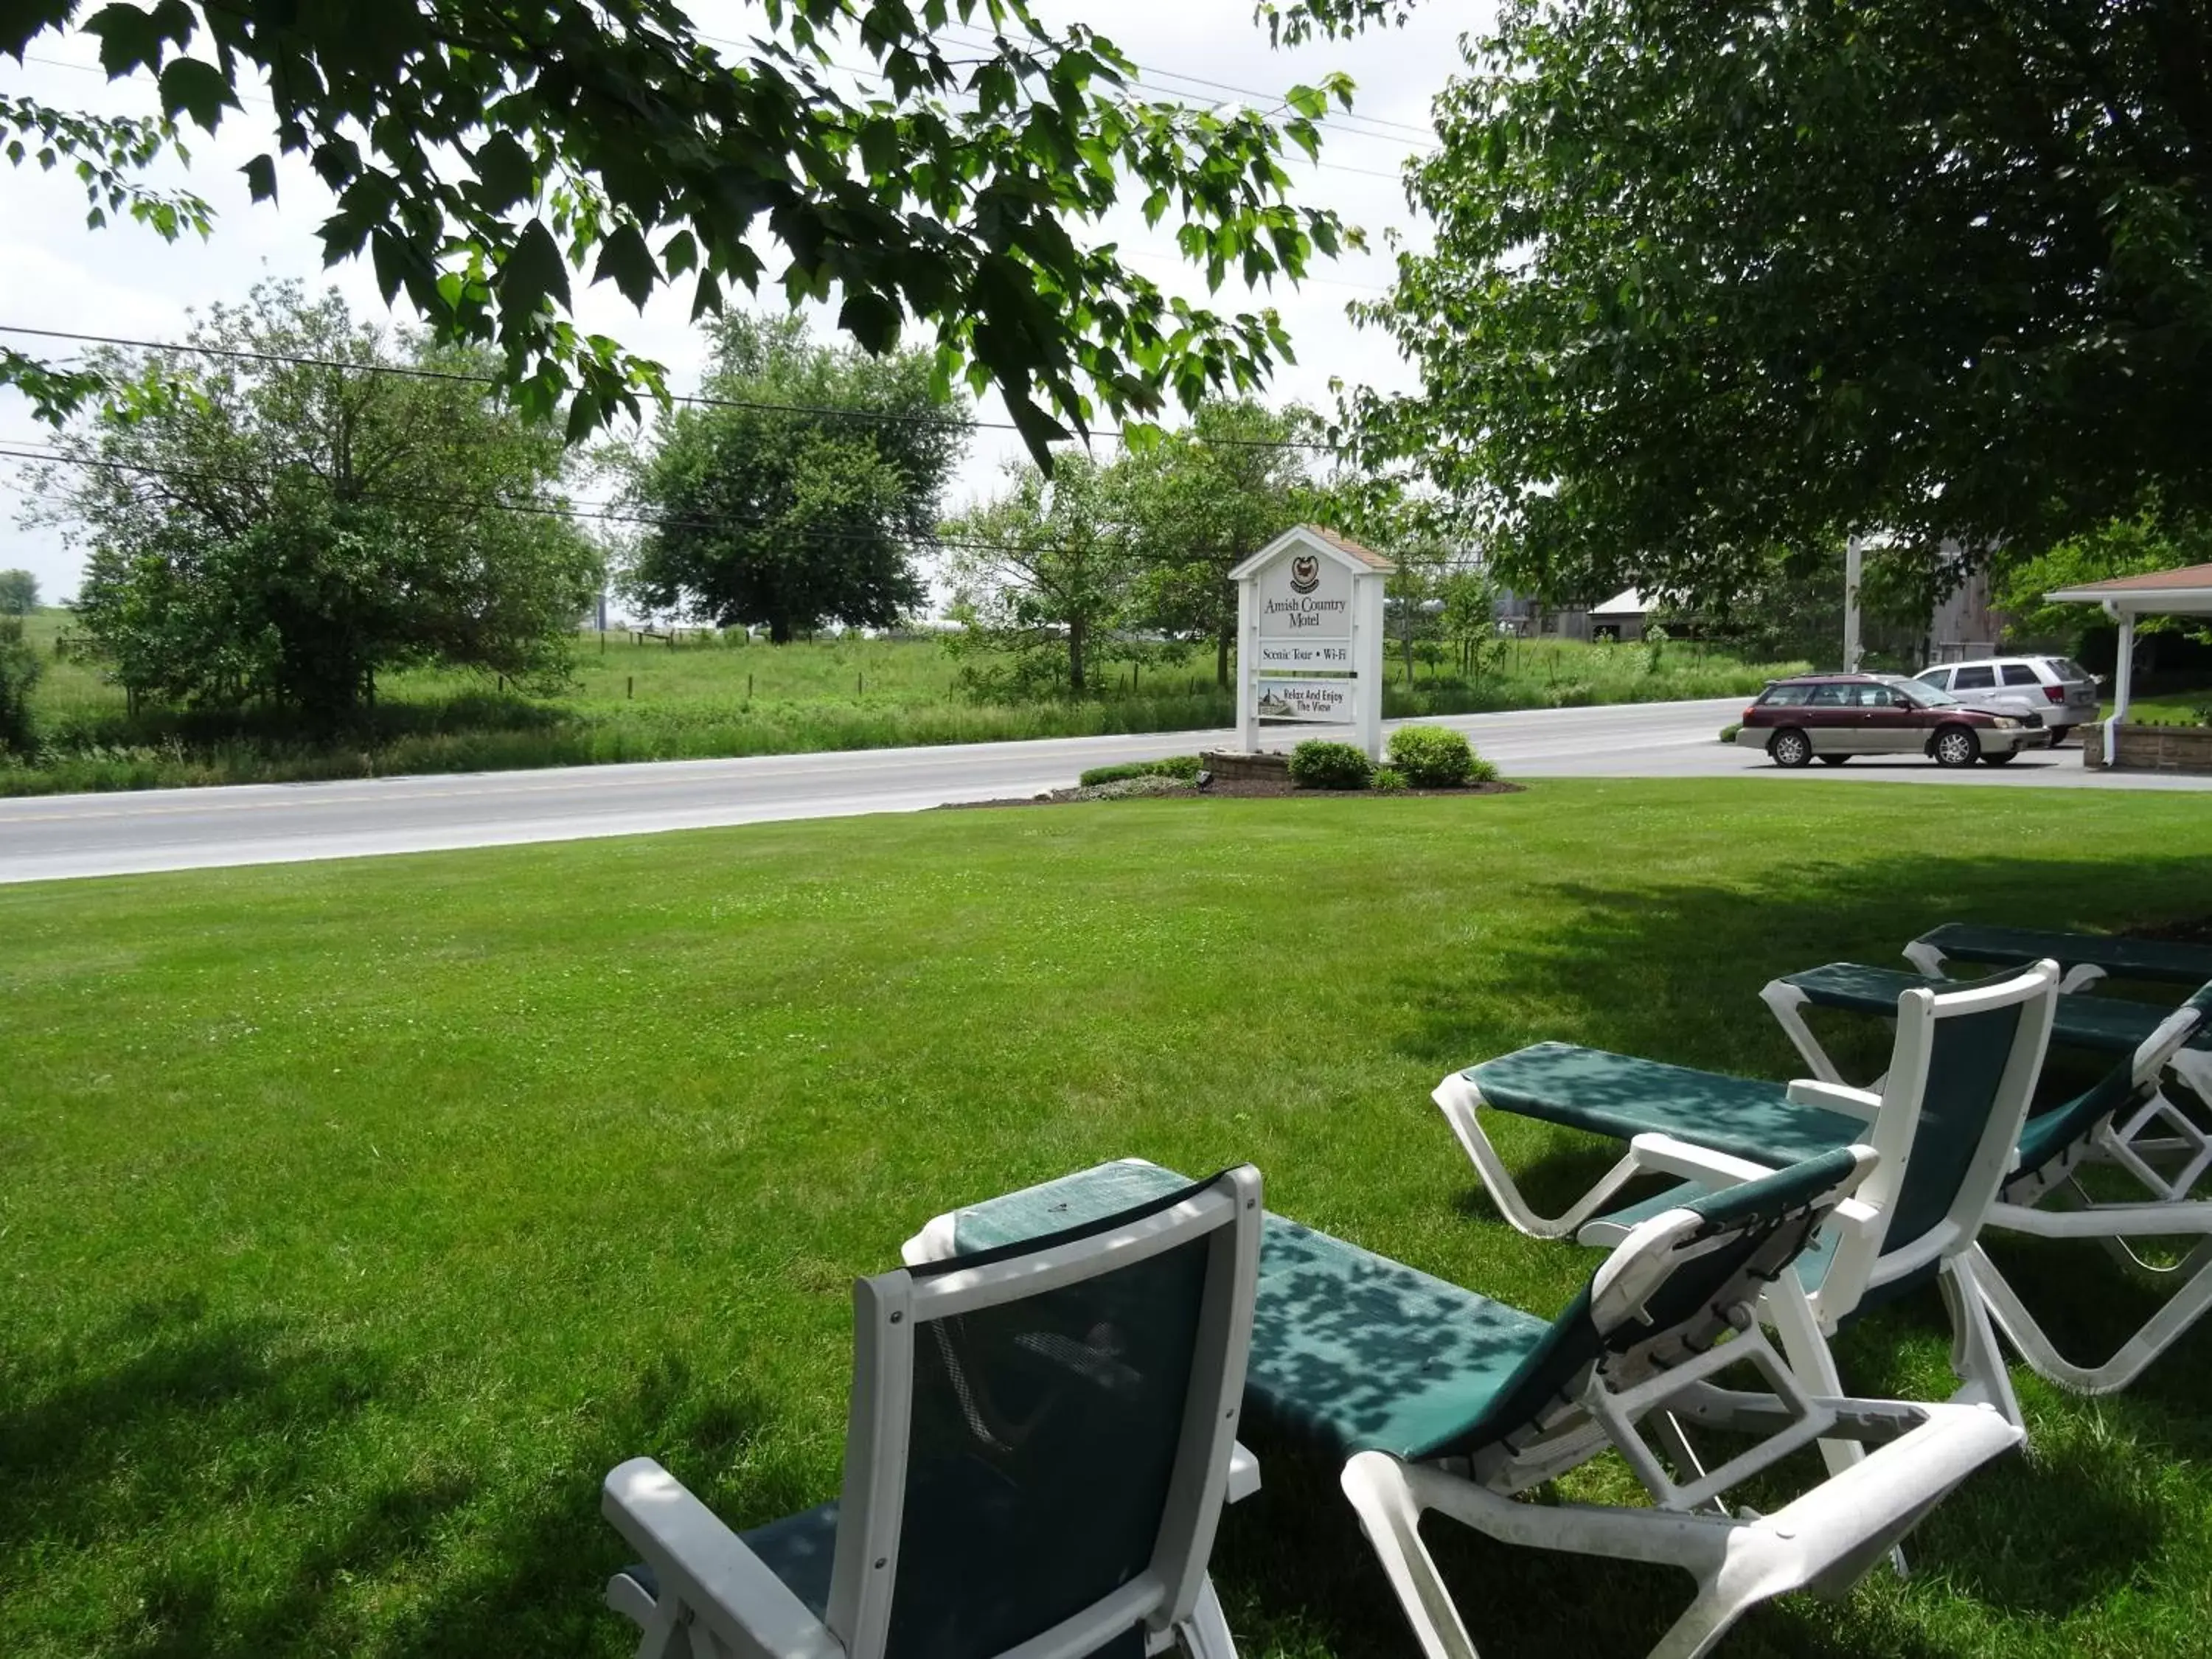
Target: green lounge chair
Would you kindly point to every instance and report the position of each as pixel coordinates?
(2085, 957)
(2157, 1142)
(2108, 1126)
(1963, 1068)
(1037, 1455)
(1440, 1399)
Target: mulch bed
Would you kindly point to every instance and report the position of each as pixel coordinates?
(1239, 789)
(2198, 931)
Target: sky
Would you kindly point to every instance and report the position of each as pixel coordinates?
(124, 280)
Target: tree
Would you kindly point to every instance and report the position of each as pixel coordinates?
(1202, 500)
(480, 151)
(20, 669)
(19, 592)
(1711, 280)
(1045, 574)
(791, 517)
(2125, 547)
(286, 524)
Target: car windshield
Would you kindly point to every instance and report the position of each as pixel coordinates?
(1923, 696)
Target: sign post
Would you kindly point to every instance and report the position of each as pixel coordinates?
(1309, 636)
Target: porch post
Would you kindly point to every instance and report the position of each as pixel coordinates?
(2123, 689)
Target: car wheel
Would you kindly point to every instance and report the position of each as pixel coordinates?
(1791, 748)
(2005, 759)
(1957, 745)
(2058, 734)
(1833, 760)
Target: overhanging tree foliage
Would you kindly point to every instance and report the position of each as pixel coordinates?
(19, 592)
(1712, 278)
(481, 151)
(804, 495)
(282, 531)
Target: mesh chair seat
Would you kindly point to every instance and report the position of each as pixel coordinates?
(1623, 1096)
(1358, 1353)
(2103, 1024)
(2124, 958)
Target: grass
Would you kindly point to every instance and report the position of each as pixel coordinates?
(361, 1215)
(2168, 709)
(644, 701)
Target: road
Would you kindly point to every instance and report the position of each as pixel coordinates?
(57, 836)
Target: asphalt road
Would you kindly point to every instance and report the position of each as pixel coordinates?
(57, 836)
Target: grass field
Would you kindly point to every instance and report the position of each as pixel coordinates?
(640, 702)
(358, 1217)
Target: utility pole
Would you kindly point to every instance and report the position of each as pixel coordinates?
(1854, 552)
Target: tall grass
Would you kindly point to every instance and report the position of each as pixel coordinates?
(704, 699)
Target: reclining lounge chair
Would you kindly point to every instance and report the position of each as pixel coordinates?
(1963, 1068)
(2085, 957)
(1037, 1452)
(2162, 1145)
(1441, 1399)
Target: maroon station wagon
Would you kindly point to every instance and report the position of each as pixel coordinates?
(1833, 717)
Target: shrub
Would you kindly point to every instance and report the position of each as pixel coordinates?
(1728, 732)
(1483, 771)
(1176, 766)
(20, 668)
(1390, 780)
(1317, 763)
(1431, 756)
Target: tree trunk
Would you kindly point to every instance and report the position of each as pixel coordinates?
(1221, 658)
(779, 630)
(1075, 632)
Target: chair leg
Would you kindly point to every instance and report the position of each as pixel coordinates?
(1206, 1632)
(1462, 1105)
(1976, 1358)
(1806, 1350)
(1787, 1003)
(1384, 1500)
(2175, 1316)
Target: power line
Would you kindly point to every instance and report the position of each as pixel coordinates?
(698, 399)
(588, 512)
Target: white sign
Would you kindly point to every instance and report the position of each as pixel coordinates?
(1306, 700)
(1313, 656)
(1305, 596)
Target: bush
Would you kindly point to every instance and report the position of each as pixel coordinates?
(20, 668)
(1317, 763)
(1390, 780)
(1431, 756)
(1728, 732)
(1176, 766)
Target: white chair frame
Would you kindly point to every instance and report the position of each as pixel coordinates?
(716, 1597)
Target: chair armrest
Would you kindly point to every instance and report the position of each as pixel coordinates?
(708, 1569)
(1861, 1103)
(1702, 1164)
(1243, 1473)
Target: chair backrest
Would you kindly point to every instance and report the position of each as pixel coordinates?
(1670, 1291)
(1040, 1435)
(2048, 1135)
(1962, 1073)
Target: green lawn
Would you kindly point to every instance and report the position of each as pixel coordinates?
(358, 1217)
(631, 701)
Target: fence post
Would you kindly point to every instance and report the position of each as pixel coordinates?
(629, 687)
(749, 688)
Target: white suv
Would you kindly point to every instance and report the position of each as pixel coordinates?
(2064, 691)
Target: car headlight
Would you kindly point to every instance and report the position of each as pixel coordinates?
(2006, 723)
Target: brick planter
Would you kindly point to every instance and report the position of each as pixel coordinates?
(1247, 769)
(2149, 748)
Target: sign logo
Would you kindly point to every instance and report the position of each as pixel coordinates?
(1306, 574)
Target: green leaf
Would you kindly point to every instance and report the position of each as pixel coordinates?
(261, 178)
(193, 87)
(533, 271)
(629, 261)
(505, 171)
(129, 38)
(872, 319)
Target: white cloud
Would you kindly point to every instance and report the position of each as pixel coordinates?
(124, 280)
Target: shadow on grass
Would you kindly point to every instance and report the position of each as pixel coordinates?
(209, 1416)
